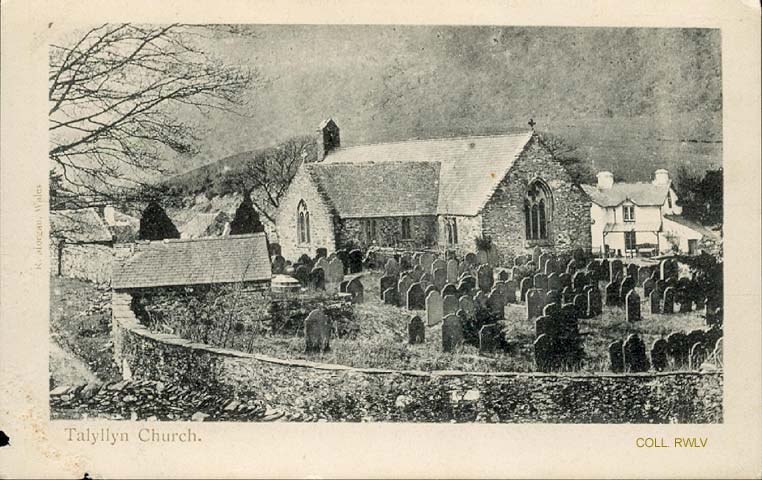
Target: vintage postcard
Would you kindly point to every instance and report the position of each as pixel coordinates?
(330, 239)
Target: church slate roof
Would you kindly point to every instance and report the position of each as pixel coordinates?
(641, 194)
(212, 260)
(446, 176)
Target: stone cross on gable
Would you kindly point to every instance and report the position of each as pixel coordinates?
(532, 123)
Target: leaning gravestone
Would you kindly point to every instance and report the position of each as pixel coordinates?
(466, 304)
(434, 308)
(659, 355)
(392, 297)
(632, 306)
(484, 278)
(635, 359)
(317, 332)
(415, 297)
(669, 300)
(544, 353)
(654, 299)
(450, 304)
(356, 288)
(616, 356)
(452, 271)
(387, 282)
(535, 303)
(452, 333)
(526, 284)
(510, 291)
(416, 331)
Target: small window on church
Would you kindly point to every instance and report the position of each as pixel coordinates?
(406, 233)
(303, 223)
(451, 230)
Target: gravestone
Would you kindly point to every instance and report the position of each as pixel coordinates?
(466, 304)
(580, 303)
(434, 308)
(678, 349)
(305, 260)
(594, 271)
(612, 294)
(387, 282)
(634, 352)
(452, 271)
(535, 303)
(632, 306)
(317, 279)
(697, 356)
(625, 287)
(439, 278)
(669, 300)
(496, 305)
(536, 255)
(542, 260)
(450, 304)
(554, 282)
(392, 297)
(317, 332)
(427, 279)
(490, 337)
(668, 268)
(437, 264)
(416, 273)
(452, 333)
(321, 262)
(566, 280)
(552, 310)
(571, 267)
(480, 300)
(392, 268)
(594, 302)
(655, 300)
(553, 296)
(321, 252)
(274, 249)
(449, 289)
(567, 295)
(644, 274)
(406, 262)
(416, 331)
(335, 273)
(467, 284)
(550, 266)
(526, 284)
(302, 273)
(484, 278)
(470, 259)
(502, 290)
(415, 297)
(696, 336)
(648, 287)
(659, 355)
(516, 274)
(429, 289)
(402, 287)
(615, 268)
(356, 288)
(605, 270)
(633, 271)
(711, 336)
(426, 260)
(544, 353)
(540, 281)
(510, 291)
(278, 265)
(683, 296)
(545, 326)
(355, 261)
(718, 351)
(579, 280)
(616, 356)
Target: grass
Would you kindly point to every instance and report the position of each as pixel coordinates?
(80, 328)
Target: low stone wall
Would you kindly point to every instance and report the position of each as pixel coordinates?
(357, 394)
(90, 262)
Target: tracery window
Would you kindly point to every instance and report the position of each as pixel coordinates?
(538, 211)
(303, 223)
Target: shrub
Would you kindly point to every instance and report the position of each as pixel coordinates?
(155, 224)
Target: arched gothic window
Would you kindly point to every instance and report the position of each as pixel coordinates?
(303, 223)
(538, 211)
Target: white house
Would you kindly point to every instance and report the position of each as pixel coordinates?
(639, 218)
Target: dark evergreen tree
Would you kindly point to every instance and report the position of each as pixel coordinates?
(246, 219)
(155, 224)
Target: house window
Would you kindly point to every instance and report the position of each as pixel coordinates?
(406, 234)
(451, 230)
(669, 200)
(628, 213)
(369, 226)
(629, 240)
(538, 207)
(303, 223)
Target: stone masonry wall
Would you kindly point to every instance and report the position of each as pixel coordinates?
(332, 390)
(321, 219)
(503, 216)
(90, 262)
(468, 229)
(423, 232)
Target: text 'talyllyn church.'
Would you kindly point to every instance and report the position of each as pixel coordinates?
(438, 194)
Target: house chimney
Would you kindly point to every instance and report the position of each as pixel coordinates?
(108, 215)
(328, 138)
(605, 180)
(661, 177)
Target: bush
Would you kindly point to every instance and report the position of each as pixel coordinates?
(155, 224)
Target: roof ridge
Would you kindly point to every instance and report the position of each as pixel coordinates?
(436, 139)
(201, 239)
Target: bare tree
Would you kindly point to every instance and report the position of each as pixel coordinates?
(266, 174)
(116, 98)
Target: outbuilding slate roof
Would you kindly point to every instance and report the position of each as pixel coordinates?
(455, 176)
(231, 259)
(641, 194)
(79, 226)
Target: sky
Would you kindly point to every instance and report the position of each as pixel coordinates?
(630, 100)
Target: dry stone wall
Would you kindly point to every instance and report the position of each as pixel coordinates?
(90, 262)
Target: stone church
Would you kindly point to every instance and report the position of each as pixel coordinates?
(438, 194)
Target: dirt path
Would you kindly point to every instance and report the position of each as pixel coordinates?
(66, 368)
